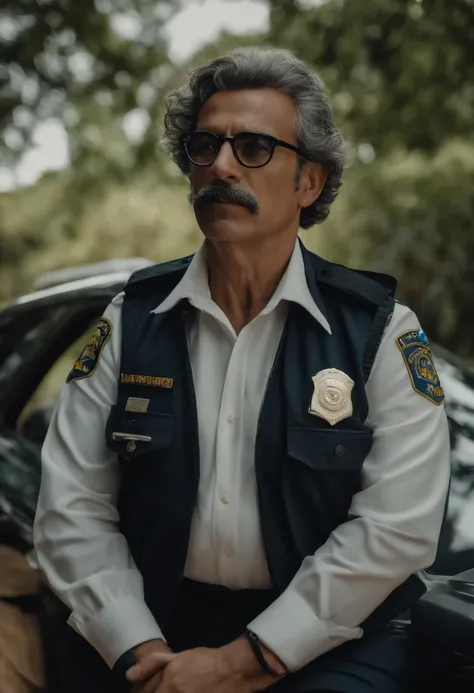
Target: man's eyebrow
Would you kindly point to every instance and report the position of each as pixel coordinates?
(221, 132)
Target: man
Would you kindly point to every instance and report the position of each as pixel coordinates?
(275, 461)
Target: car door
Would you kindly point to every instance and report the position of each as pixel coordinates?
(456, 546)
(34, 337)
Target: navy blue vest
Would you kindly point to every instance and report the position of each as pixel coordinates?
(307, 470)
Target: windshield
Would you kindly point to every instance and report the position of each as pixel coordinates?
(18, 337)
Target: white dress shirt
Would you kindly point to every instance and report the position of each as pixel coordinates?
(397, 514)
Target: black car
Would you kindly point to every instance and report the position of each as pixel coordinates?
(42, 332)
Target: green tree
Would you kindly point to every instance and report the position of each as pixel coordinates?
(77, 61)
(401, 80)
(94, 65)
(119, 197)
(400, 72)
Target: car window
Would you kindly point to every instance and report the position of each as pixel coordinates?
(18, 338)
(46, 394)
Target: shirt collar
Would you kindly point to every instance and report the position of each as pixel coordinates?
(194, 287)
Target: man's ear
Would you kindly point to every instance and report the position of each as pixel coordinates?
(312, 180)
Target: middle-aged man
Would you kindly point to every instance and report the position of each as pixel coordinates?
(250, 459)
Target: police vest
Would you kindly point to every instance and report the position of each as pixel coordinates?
(307, 470)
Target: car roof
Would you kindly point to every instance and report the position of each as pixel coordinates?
(67, 275)
(111, 280)
(98, 281)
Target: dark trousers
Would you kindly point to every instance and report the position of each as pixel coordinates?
(212, 616)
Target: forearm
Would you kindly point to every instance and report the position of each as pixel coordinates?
(89, 567)
(337, 589)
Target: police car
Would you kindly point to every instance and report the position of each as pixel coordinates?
(41, 334)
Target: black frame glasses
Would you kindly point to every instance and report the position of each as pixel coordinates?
(269, 142)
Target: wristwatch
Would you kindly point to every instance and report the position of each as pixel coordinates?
(123, 664)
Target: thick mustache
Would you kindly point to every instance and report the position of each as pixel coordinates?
(224, 193)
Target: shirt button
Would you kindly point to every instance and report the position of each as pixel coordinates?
(339, 450)
(230, 419)
(228, 551)
(224, 499)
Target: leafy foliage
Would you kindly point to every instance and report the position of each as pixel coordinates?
(399, 71)
(79, 61)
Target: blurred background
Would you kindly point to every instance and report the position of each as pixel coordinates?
(81, 100)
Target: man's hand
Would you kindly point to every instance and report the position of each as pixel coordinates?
(145, 653)
(229, 669)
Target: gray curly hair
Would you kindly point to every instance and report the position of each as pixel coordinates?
(247, 68)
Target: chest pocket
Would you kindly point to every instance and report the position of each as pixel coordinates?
(329, 450)
(132, 434)
(321, 475)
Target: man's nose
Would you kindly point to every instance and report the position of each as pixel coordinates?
(226, 166)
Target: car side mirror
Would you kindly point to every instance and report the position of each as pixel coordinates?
(445, 614)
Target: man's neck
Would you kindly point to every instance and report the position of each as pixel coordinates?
(243, 276)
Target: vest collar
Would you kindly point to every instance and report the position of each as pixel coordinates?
(293, 288)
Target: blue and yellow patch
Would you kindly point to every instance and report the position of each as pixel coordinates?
(90, 355)
(418, 359)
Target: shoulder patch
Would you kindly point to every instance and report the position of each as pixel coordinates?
(90, 355)
(416, 353)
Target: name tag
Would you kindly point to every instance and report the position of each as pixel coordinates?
(146, 380)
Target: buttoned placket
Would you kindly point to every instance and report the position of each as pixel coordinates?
(233, 483)
(228, 456)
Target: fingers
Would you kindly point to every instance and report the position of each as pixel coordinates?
(149, 666)
(150, 686)
(153, 685)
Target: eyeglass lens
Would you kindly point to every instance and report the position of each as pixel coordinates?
(252, 150)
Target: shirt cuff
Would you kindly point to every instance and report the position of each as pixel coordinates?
(118, 627)
(290, 629)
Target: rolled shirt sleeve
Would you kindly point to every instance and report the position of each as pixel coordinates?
(394, 521)
(77, 541)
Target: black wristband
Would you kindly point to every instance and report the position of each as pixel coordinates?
(123, 664)
(256, 646)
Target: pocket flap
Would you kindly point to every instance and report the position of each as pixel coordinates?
(331, 450)
(131, 434)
